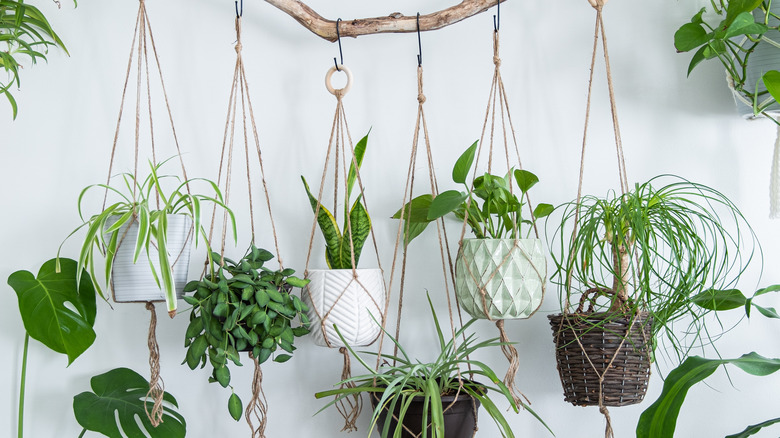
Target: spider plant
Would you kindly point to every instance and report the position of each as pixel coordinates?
(396, 385)
(657, 250)
(148, 203)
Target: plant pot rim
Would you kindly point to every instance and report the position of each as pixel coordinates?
(509, 239)
(344, 270)
(444, 398)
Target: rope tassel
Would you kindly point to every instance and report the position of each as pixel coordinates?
(350, 406)
(156, 385)
(774, 182)
(514, 364)
(258, 406)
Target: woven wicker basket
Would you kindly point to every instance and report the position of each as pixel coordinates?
(600, 335)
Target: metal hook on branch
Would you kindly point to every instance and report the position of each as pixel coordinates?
(497, 17)
(341, 54)
(240, 14)
(419, 42)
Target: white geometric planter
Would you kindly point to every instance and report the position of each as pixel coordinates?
(134, 282)
(504, 276)
(336, 296)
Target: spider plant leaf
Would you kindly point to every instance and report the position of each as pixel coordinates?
(328, 226)
(437, 413)
(142, 239)
(355, 234)
(168, 287)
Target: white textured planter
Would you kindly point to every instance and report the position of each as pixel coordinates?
(336, 296)
(504, 276)
(765, 57)
(134, 282)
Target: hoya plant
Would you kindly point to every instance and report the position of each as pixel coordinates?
(343, 248)
(243, 306)
(494, 203)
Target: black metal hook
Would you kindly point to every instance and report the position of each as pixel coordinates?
(419, 42)
(497, 17)
(341, 54)
(240, 14)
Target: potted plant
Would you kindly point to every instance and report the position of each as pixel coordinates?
(243, 306)
(437, 395)
(344, 294)
(650, 252)
(744, 38)
(501, 272)
(150, 218)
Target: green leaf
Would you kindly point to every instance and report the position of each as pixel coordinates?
(354, 239)
(690, 36)
(42, 305)
(297, 282)
(772, 83)
(773, 288)
(543, 210)
(525, 179)
(445, 203)
(360, 150)
(223, 376)
(416, 210)
(737, 8)
(769, 312)
(328, 226)
(754, 429)
(461, 170)
(744, 24)
(282, 358)
(698, 57)
(235, 407)
(118, 399)
(713, 299)
(660, 419)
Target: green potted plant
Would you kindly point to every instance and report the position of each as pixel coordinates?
(743, 35)
(243, 306)
(440, 394)
(344, 294)
(156, 216)
(649, 252)
(501, 272)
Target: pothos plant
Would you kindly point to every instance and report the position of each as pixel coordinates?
(343, 248)
(494, 204)
(147, 202)
(732, 38)
(243, 306)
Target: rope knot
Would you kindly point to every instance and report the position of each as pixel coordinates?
(339, 93)
(598, 4)
(238, 47)
(496, 60)
(421, 98)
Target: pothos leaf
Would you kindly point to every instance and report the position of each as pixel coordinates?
(118, 400)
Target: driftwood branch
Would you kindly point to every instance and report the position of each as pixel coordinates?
(393, 23)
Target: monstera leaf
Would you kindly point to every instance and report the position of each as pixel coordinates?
(42, 303)
(118, 400)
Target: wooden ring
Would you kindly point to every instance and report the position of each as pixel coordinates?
(329, 86)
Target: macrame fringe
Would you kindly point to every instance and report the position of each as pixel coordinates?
(258, 406)
(514, 364)
(156, 385)
(349, 407)
(608, 433)
(774, 180)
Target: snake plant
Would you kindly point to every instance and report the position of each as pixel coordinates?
(344, 247)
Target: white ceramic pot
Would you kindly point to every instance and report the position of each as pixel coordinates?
(134, 282)
(336, 296)
(500, 278)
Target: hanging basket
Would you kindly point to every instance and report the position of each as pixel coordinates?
(135, 282)
(618, 347)
(354, 301)
(500, 278)
(460, 416)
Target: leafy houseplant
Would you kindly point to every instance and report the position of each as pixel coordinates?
(651, 252)
(344, 294)
(741, 40)
(150, 219)
(433, 393)
(501, 273)
(242, 306)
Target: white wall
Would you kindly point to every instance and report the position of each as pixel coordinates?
(62, 137)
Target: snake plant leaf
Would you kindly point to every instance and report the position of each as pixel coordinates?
(118, 400)
(461, 169)
(360, 151)
(660, 419)
(42, 304)
(360, 224)
(754, 429)
(328, 226)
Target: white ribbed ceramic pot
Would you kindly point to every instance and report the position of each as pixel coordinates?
(134, 282)
(336, 296)
(504, 276)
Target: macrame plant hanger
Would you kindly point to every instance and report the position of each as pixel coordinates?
(599, 32)
(142, 40)
(404, 232)
(498, 104)
(257, 408)
(342, 149)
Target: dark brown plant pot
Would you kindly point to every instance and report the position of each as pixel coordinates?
(617, 347)
(460, 417)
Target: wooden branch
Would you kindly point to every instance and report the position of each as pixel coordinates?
(393, 23)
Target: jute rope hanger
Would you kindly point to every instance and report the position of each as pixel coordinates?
(143, 36)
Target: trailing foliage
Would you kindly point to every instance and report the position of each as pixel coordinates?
(145, 202)
(500, 214)
(26, 33)
(396, 384)
(242, 306)
(343, 248)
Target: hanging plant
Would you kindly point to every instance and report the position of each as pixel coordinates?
(243, 306)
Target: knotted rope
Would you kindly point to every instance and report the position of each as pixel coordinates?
(352, 406)
(774, 180)
(156, 384)
(257, 406)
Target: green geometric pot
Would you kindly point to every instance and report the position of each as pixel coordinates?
(500, 278)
